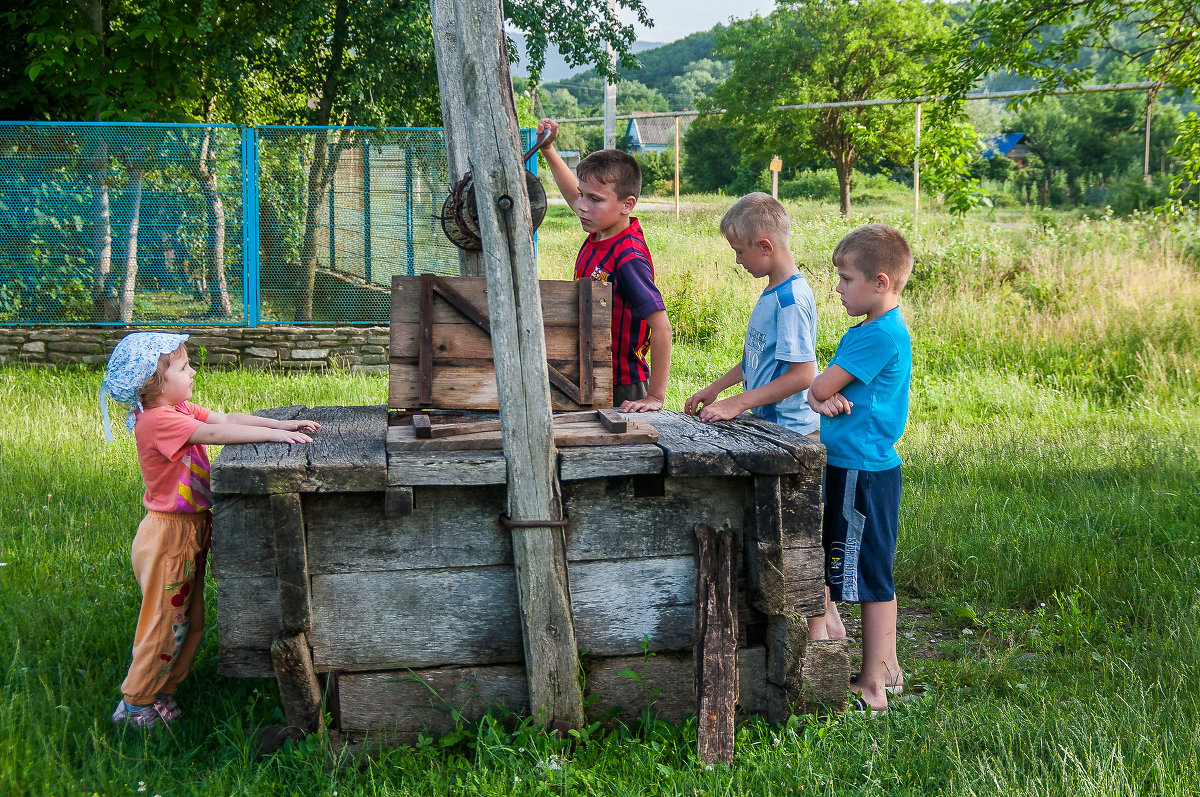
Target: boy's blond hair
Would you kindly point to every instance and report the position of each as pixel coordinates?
(755, 216)
(876, 249)
(613, 167)
(154, 385)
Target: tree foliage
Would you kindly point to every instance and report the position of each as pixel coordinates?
(829, 51)
(1043, 39)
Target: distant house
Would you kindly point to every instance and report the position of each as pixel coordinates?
(654, 133)
(1014, 146)
(571, 157)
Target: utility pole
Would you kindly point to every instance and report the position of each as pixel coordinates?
(610, 91)
(917, 170)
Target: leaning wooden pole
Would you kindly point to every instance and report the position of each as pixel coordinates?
(519, 352)
(454, 110)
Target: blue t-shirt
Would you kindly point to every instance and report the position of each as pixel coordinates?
(782, 331)
(879, 357)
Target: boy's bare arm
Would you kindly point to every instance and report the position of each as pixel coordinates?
(830, 381)
(660, 365)
(708, 395)
(797, 377)
(564, 178)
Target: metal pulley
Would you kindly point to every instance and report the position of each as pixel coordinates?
(460, 216)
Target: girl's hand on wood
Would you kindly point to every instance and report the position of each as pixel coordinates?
(289, 436)
(301, 424)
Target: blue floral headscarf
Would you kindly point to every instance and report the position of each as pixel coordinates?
(131, 364)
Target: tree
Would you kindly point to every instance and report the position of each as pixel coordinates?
(830, 51)
(1043, 39)
(698, 79)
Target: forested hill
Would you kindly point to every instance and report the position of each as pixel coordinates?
(659, 66)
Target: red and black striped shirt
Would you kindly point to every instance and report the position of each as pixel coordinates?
(624, 262)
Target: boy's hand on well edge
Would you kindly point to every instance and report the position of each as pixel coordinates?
(549, 128)
(648, 404)
(722, 410)
(701, 398)
(302, 424)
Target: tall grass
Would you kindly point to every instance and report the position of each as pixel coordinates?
(1050, 525)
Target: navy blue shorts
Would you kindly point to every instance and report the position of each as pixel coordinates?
(862, 513)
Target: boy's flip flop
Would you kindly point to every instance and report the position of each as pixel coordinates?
(860, 706)
(894, 689)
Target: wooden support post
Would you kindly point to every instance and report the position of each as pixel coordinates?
(291, 564)
(519, 353)
(299, 690)
(917, 169)
(677, 167)
(715, 644)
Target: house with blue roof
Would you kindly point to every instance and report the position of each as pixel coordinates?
(1014, 146)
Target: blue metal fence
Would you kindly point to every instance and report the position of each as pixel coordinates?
(216, 224)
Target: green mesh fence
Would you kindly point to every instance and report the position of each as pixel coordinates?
(120, 224)
(193, 224)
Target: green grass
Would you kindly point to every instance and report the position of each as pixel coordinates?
(1049, 562)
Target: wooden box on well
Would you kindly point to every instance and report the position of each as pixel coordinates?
(393, 574)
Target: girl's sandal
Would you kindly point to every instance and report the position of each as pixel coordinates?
(167, 708)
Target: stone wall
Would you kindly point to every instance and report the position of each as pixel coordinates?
(284, 348)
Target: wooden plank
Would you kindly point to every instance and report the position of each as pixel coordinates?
(243, 543)
(457, 527)
(405, 702)
(415, 618)
(560, 303)
(825, 675)
(586, 462)
(618, 603)
(291, 564)
(784, 557)
(800, 508)
(715, 644)
(402, 439)
(460, 303)
(809, 453)
(448, 528)
(248, 616)
(470, 385)
(421, 426)
(612, 420)
(670, 673)
(398, 502)
(245, 663)
(467, 342)
(425, 345)
(586, 353)
(786, 637)
(299, 691)
(447, 467)
(347, 455)
(754, 451)
(691, 447)
(397, 704)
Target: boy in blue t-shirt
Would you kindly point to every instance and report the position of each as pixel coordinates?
(863, 394)
(779, 358)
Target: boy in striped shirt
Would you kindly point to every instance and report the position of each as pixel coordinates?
(603, 196)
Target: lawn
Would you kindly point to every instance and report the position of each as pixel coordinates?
(1048, 569)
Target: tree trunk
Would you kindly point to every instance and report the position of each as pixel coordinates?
(844, 171)
(129, 279)
(205, 173)
(320, 171)
(103, 306)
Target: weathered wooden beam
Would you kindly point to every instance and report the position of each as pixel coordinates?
(291, 564)
(825, 675)
(784, 558)
(519, 349)
(299, 690)
(786, 636)
(715, 644)
(455, 119)
(398, 502)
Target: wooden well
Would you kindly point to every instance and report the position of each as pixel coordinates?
(385, 580)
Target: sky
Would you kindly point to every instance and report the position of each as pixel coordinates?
(674, 19)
